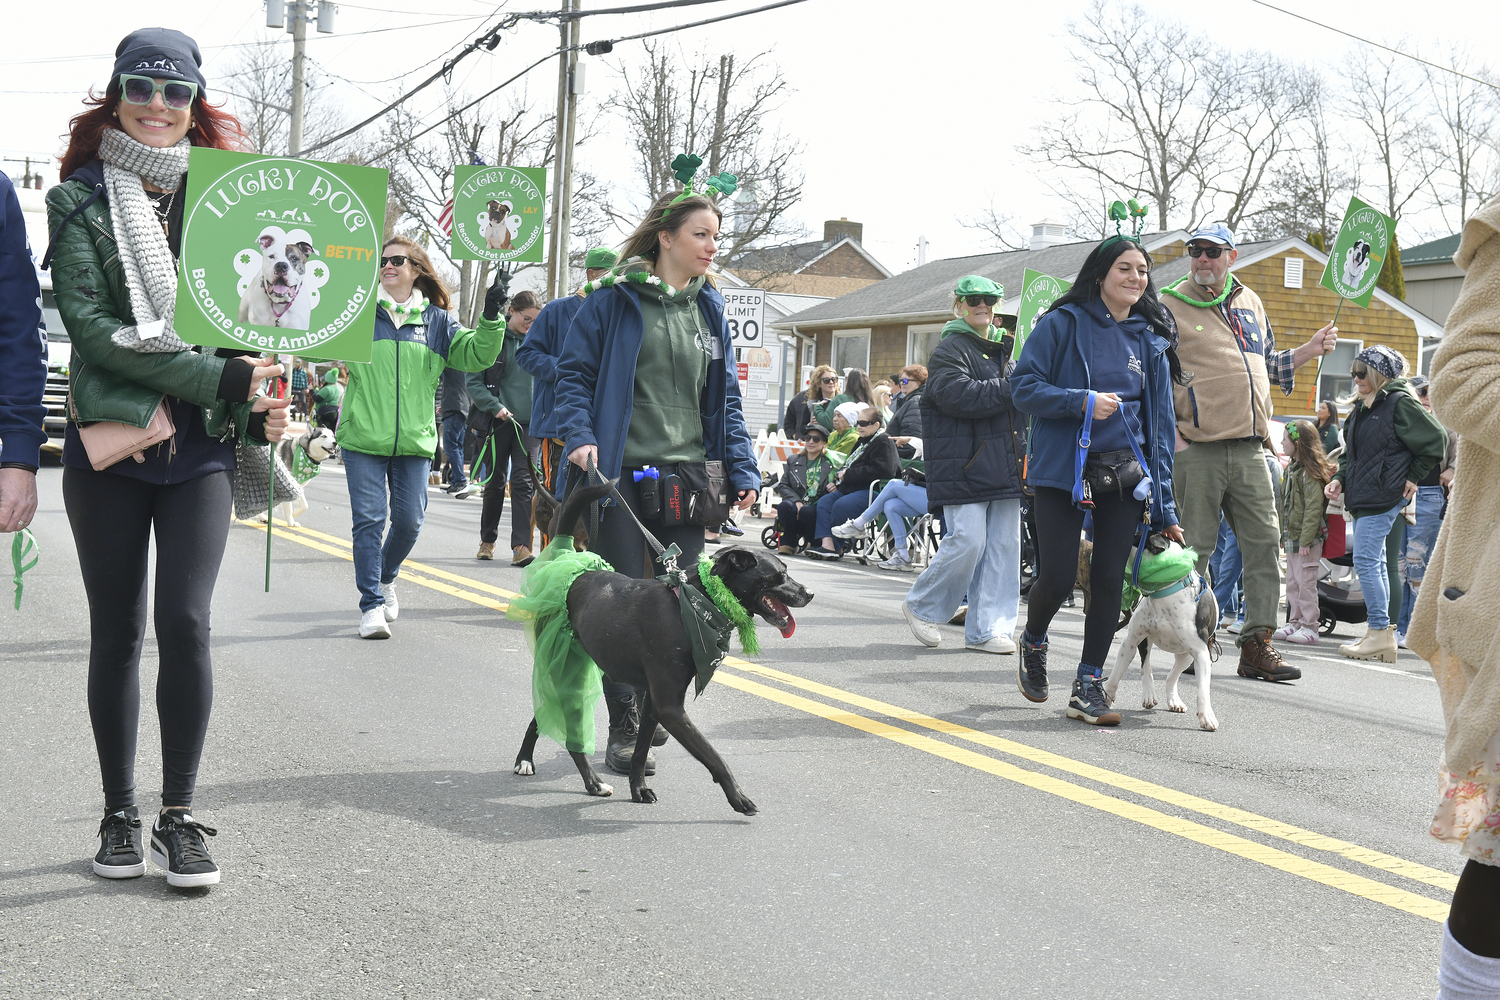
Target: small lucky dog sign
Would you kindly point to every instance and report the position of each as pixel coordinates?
(497, 213)
(280, 254)
(1358, 252)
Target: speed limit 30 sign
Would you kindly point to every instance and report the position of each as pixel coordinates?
(745, 312)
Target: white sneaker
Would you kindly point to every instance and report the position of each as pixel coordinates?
(1286, 631)
(897, 563)
(392, 606)
(372, 625)
(468, 491)
(994, 644)
(1400, 640)
(1304, 636)
(926, 632)
(1234, 626)
(849, 529)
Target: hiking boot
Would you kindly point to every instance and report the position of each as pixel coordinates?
(1031, 672)
(486, 551)
(177, 845)
(120, 854)
(521, 556)
(1259, 660)
(1087, 703)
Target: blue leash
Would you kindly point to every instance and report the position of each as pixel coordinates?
(1142, 490)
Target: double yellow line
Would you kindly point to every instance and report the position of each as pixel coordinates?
(738, 673)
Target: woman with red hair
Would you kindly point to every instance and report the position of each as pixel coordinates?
(116, 223)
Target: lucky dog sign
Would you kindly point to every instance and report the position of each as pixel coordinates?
(280, 254)
(497, 213)
(1358, 252)
(1038, 292)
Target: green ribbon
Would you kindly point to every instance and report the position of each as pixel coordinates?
(23, 544)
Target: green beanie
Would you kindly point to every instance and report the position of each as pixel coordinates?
(331, 376)
(600, 257)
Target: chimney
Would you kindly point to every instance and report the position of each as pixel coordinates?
(833, 231)
(1047, 233)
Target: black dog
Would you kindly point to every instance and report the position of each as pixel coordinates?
(633, 630)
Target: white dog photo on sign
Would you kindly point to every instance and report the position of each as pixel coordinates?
(279, 281)
(1356, 263)
(499, 225)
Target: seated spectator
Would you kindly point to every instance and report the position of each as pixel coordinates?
(906, 419)
(872, 460)
(901, 498)
(844, 438)
(806, 478)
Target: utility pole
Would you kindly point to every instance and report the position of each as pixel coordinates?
(560, 153)
(565, 212)
(299, 73)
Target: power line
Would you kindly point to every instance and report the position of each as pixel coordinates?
(1367, 41)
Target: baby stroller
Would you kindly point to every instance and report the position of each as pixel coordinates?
(1340, 598)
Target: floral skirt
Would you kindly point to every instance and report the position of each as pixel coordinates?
(1468, 809)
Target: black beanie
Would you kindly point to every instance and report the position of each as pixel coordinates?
(161, 53)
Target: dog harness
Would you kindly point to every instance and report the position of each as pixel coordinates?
(1191, 580)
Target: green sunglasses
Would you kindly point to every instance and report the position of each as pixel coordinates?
(175, 94)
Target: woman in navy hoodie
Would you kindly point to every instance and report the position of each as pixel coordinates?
(1103, 353)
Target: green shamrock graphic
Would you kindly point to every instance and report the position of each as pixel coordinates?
(685, 166)
(724, 183)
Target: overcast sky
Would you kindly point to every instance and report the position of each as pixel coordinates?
(909, 113)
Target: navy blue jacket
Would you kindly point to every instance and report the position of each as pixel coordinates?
(596, 384)
(23, 342)
(1051, 381)
(537, 356)
(972, 437)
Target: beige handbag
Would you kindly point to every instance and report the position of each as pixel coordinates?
(109, 441)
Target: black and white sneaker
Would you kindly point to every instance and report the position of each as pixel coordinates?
(1031, 672)
(177, 845)
(120, 854)
(1088, 704)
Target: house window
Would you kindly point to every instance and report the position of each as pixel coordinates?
(1291, 272)
(851, 349)
(1335, 382)
(920, 341)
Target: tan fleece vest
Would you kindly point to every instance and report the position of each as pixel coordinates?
(1230, 395)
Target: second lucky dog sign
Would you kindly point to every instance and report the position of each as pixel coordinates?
(1358, 253)
(497, 213)
(280, 254)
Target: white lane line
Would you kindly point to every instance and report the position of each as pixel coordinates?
(1345, 661)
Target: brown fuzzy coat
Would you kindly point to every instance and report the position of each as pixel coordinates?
(1456, 623)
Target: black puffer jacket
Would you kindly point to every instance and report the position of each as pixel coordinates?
(972, 433)
(906, 421)
(875, 461)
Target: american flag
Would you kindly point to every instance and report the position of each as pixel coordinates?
(445, 217)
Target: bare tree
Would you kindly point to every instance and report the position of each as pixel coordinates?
(1307, 194)
(259, 90)
(1150, 116)
(999, 228)
(1276, 100)
(1387, 105)
(720, 108)
(1466, 117)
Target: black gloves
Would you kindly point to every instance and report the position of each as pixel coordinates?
(498, 295)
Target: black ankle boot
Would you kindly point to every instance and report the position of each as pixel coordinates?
(624, 726)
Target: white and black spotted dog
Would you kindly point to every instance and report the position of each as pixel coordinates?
(1181, 619)
(319, 445)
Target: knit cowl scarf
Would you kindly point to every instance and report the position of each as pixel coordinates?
(150, 271)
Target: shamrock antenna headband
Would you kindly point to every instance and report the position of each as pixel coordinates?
(1120, 212)
(685, 168)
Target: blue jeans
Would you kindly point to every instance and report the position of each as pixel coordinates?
(1420, 540)
(1370, 533)
(1226, 566)
(980, 557)
(369, 476)
(454, 429)
(836, 508)
(898, 500)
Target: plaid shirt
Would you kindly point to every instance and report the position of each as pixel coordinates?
(299, 379)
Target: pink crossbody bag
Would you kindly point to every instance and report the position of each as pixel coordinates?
(109, 441)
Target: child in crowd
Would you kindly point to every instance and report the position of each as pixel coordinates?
(1304, 525)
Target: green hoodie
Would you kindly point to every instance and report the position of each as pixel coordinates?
(990, 336)
(671, 372)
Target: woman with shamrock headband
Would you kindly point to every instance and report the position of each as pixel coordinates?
(1100, 361)
(647, 378)
(116, 221)
(972, 445)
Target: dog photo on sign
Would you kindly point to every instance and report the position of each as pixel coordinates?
(499, 225)
(279, 280)
(1356, 263)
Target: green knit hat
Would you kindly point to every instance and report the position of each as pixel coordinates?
(600, 257)
(330, 376)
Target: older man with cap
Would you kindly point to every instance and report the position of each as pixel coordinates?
(1223, 426)
(538, 357)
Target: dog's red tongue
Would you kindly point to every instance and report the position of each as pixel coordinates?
(781, 609)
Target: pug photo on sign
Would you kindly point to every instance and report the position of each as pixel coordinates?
(279, 280)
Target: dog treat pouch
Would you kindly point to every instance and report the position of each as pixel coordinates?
(707, 492)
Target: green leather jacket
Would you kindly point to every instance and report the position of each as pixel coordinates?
(107, 382)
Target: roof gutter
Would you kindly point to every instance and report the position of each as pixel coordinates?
(905, 319)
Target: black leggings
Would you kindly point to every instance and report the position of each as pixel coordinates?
(112, 518)
(1058, 527)
(1474, 919)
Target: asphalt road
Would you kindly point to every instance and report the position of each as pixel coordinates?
(924, 831)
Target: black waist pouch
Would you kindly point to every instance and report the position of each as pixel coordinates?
(706, 491)
(1112, 472)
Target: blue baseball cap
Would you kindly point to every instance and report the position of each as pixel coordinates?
(1216, 233)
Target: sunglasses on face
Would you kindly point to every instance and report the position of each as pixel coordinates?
(142, 89)
(399, 260)
(829, 379)
(904, 381)
(1360, 372)
(1212, 253)
(975, 301)
(868, 423)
